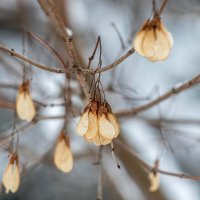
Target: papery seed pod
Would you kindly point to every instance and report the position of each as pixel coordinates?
(82, 125)
(154, 181)
(24, 104)
(63, 158)
(100, 140)
(92, 126)
(11, 175)
(153, 41)
(107, 123)
(115, 123)
(106, 129)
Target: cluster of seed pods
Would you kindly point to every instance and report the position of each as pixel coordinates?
(98, 124)
(153, 41)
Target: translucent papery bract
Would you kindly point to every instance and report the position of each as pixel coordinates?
(168, 34)
(82, 125)
(148, 43)
(115, 123)
(11, 176)
(100, 140)
(154, 182)
(138, 42)
(106, 129)
(24, 104)
(63, 157)
(92, 126)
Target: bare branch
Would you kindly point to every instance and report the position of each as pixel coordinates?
(21, 57)
(174, 91)
(151, 168)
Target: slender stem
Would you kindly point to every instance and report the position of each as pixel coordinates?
(162, 6)
(114, 64)
(100, 180)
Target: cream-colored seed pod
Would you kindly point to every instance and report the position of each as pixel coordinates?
(154, 182)
(63, 158)
(82, 125)
(11, 175)
(24, 104)
(153, 41)
(114, 122)
(98, 124)
(106, 129)
(100, 140)
(92, 126)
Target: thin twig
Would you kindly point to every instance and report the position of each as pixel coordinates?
(61, 70)
(162, 7)
(37, 38)
(174, 91)
(41, 66)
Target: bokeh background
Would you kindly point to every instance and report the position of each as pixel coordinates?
(169, 131)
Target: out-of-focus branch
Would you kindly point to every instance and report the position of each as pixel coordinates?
(174, 91)
(151, 168)
(61, 70)
(21, 57)
(7, 104)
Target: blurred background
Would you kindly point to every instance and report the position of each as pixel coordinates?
(169, 131)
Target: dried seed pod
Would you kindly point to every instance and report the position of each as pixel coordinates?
(11, 175)
(154, 181)
(114, 122)
(92, 126)
(24, 104)
(98, 124)
(100, 140)
(153, 41)
(63, 158)
(82, 126)
(106, 129)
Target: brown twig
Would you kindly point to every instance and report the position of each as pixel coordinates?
(61, 70)
(162, 7)
(41, 66)
(40, 40)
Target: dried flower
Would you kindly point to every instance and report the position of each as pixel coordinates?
(153, 41)
(154, 181)
(11, 175)
(63, 158)
(24, 103)
(98, 124)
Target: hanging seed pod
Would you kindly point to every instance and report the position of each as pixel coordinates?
(11, 175)
(106, 129)
(24, 103)
(153, 41)
(154, 181)
(92, 130)
(87, 125)
(98, 124)
(63, 158)
(108, 125)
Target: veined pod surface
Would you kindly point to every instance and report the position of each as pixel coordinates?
(24, 104)
(11, 175)
(63, 158)
(154, 181)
